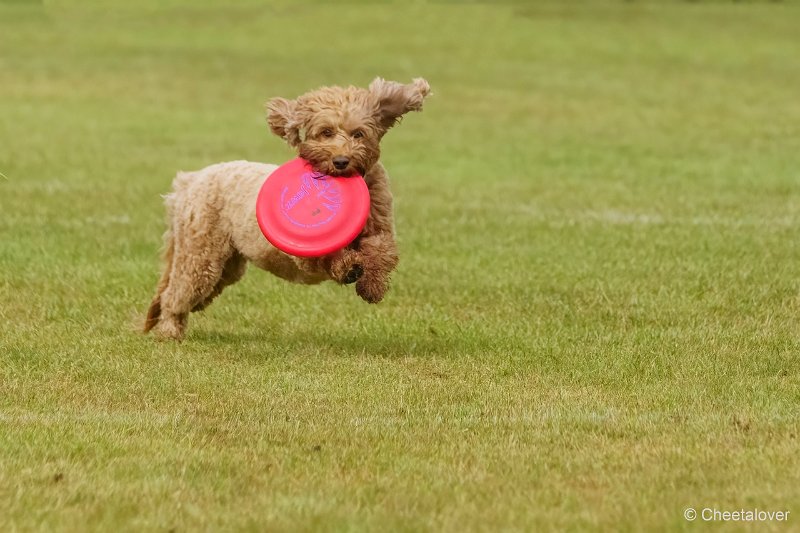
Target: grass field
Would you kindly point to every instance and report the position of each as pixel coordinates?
(595, 323)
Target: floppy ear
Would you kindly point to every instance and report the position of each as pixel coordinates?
(395, 99)
(282, 119)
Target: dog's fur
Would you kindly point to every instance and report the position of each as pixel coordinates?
(213, 232)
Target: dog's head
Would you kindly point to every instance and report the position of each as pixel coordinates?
(339, 129)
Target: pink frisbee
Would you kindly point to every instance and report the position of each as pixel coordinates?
(308, 214)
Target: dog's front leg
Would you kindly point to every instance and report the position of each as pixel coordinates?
(343, 266)
(379, 259)
(376, 243)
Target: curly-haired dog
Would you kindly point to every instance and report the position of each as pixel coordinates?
(213, 231)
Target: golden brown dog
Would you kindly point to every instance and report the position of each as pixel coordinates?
(213, 232)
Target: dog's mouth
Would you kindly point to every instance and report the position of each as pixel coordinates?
(328, 164)
(346, 173)
(329, 170)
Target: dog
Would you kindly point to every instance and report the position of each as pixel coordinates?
(213, 233)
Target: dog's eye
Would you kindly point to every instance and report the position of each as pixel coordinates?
(358, 134)
(327, 132)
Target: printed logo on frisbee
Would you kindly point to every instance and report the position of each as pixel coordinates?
(312, 202)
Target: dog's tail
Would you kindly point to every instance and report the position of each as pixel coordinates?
(154, 312)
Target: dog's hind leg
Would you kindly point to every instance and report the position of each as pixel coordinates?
(234, 269)
(201, 252)
(154, 312)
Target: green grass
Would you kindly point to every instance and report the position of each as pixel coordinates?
(595, 323)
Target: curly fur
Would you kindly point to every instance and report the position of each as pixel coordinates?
(213, 234)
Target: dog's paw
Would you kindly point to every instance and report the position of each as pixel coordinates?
(356, 271)
(170, 329)
(345, 266)
(167, 333)
(371, 290)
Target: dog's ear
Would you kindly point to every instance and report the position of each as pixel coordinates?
(283, 121)
(395, 99)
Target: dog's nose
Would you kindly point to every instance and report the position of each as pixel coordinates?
(340, 162)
